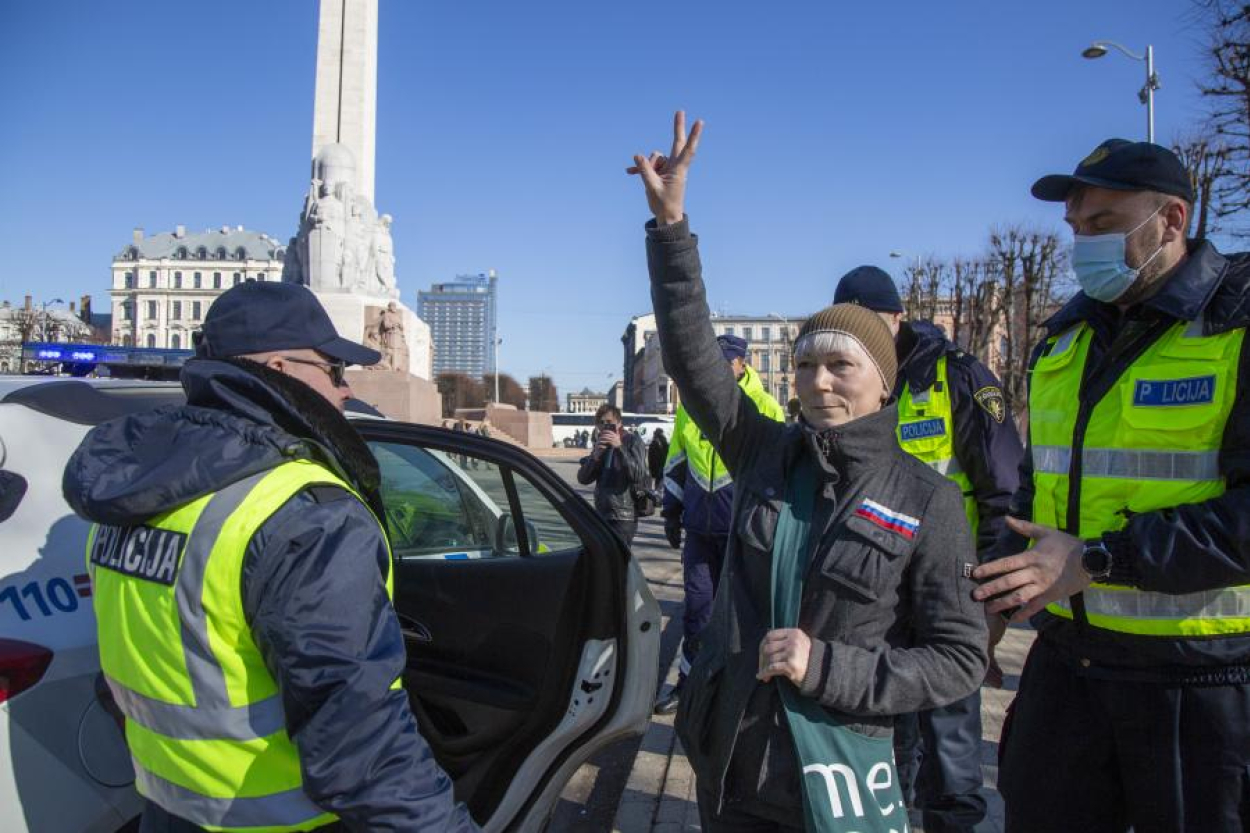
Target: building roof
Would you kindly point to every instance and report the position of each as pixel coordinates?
(256, 245)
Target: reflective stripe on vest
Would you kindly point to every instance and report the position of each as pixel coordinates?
(204, 719)
(703, 466)
(1152, 442)
(926, 430)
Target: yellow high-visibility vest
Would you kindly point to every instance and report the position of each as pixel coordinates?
(1152, 442)
(689, 446)
(926, 430)
(204, 717)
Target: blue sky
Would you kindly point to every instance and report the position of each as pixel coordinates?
(836, 132)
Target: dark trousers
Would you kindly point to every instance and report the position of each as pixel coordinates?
(701, 559)
(746, 817)
(939, 762)
(627, 529)
(1081, 753)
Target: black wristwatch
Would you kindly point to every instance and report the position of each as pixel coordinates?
(1096, 560)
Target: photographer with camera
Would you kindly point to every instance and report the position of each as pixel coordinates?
(618, 468)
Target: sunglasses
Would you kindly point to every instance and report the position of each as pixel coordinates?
(333, 369)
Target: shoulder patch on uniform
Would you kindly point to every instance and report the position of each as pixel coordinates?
(325, 493)
(991, 399)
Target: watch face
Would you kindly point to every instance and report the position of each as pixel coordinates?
(1096, 560)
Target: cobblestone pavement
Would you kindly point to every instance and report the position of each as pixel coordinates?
(646, 786)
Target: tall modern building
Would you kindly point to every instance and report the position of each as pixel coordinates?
(461, 316)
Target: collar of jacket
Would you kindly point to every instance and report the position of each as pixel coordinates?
(263, 395)
(1184, 296)
(845, 452)
(919, 346)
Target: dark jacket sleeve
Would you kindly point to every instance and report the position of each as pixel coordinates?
(946, 657)
(588, 471)
(635, 460)
(691, 356)
(987, 446)
(1196, 546)
(315, 598)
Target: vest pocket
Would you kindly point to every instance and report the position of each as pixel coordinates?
(1169, 398)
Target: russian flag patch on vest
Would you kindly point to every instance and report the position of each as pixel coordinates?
(888, 519)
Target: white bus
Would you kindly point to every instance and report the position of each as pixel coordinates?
(567, 426)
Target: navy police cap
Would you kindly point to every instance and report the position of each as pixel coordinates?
(260, 317)
(1122, 165)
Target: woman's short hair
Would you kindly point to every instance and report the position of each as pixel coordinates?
(824, 343)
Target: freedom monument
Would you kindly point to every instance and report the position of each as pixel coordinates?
(343, 250)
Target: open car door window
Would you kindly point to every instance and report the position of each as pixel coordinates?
(531, 638)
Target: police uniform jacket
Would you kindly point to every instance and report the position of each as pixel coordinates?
(986, 441)
(312, 585)
(1181, 549)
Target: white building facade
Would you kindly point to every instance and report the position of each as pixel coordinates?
(586, 402)
(770, 339)
(163, 285)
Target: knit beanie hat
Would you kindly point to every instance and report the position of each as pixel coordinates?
(865, 327)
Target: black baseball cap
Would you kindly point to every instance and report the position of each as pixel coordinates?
(260, 317)
(1122, 165)
(871, 287)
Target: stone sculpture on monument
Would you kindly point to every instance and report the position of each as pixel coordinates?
(343, 249)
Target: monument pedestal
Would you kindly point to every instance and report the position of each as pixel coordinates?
(352, 314)
(398, 395)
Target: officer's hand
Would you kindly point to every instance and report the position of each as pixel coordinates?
(1051, 570)
(664, 177)
(672, 531)
(784, 653)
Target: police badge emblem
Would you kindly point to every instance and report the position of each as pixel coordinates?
(991, 399)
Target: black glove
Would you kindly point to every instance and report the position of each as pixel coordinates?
(672, 531)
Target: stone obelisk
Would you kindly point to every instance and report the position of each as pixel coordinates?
(345, 107)
(343, 251)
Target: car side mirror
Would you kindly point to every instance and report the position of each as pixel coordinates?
(505, 535)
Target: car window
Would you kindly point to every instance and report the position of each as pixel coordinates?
(431, 508)
(458, 506)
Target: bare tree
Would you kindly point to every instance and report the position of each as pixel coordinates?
(923, 289)
(1206, 159)
(1032, 272)
(1228, 91)
(543, 395)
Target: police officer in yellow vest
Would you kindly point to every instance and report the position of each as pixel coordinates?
(953, 416)
(1134, 705)
(241, 577)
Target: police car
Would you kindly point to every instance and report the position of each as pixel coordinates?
(533, 640)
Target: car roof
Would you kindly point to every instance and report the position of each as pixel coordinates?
(92, 401)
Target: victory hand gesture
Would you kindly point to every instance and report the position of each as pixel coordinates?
(664, 177)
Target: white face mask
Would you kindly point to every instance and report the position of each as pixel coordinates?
(1099, 264)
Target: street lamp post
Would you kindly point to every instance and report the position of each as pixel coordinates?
(498, 341)
(43, 317)
(1146, 95)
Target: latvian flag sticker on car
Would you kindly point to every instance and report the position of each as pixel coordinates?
(887, 518)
